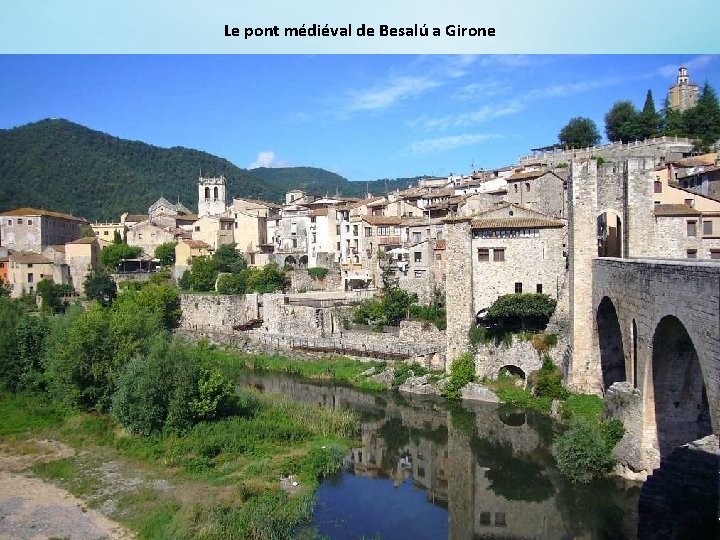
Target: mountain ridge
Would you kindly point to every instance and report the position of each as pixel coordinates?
(60, 165)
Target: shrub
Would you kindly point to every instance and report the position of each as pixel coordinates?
(168, 390)
(462, 372)
(549, 381)
(232, 283)
(526, 311)
(317, 272)
(585, 451)
(432, 313)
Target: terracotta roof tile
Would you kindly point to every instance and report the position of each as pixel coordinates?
(515, 223)
(87, 240)
(670, 210)
(29, 258)
(382, 220)
(27, 211)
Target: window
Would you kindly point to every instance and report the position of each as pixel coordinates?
(197, 228)
(500, 519)
(485, 518)
(294, 242)
(689, 202)
(692, 253)
(715, 254)
(483, 255)
(337, 230)
(293, 228)
(9, 222)
(538, 288)
(707, 228)
(314, 238)
(313, 219)
(419, 273)
(527, 186)
(30, 277)
(355, 230)
(337, 248)
(30, 265)
(516, 190)
(499, 254)
(20, 221)
(518, 287)
(692, 228)
(658, 186)
(439, 235)
(383, 230)
(105, 233)
(368, 231)
(416, 237)
(418, 256)
(30, 221)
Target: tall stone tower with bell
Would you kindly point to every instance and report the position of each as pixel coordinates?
(212, 200)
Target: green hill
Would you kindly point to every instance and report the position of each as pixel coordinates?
(63, 166)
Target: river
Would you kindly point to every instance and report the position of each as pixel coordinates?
(427, 471)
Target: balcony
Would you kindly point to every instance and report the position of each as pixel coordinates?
(388, 240)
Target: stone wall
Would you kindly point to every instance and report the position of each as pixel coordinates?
(300, 280)
(531, 261)
(458, 288)
(489, 359)
(218, 312)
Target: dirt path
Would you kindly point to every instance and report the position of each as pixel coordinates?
(33, 509)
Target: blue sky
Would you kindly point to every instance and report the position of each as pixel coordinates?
(362, 116)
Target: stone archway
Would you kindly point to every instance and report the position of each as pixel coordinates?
(682, 413)
(290, 261)
(609, 235)
(303, 261)
(610, 342)
(510, 370)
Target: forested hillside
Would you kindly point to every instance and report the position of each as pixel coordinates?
(63, 166)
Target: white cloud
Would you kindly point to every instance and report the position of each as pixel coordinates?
(478, 91)
(670, 70)
(437, 144)
(487, 112)
(387, 95)
(267, 158)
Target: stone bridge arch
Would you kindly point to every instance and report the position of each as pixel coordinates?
(677, 395)
(668, 314)
(609, 336)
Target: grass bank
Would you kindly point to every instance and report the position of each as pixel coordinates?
(333, 368)
(221, 479)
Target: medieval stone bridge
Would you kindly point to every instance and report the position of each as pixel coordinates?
(656, 325)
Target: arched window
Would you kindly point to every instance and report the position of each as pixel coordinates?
(207, 193)
(215, 193)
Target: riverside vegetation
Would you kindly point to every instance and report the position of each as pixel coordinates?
(112, 381)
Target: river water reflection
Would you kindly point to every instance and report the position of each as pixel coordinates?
(424, 470)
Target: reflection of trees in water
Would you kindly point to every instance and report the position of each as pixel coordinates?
(511, 476)
(598, 507)
(461, 419)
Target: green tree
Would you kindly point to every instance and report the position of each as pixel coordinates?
(86, 231)
(51, 295)
(269, 279)
(649, 119)
(166, 253)
(5, 289)
(10, 369)
(703, 120)
(622, 123)
(117, 238)
(579, 133)
(232, 283)
(202, 274)
(100, 286)
(32, 332)
(672, 121)
(228, 259)
(111, 255)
